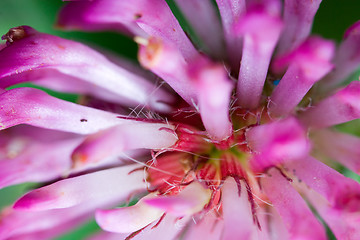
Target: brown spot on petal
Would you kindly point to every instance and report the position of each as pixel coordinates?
(137, 16)
(16, 33)
(60, 46)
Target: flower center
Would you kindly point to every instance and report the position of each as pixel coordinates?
(196, 158)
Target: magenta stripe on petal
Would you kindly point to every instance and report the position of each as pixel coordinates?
(307, 65)
(261, 30)
(46, 58)
(298, 219)
(86, 188)
(35, 107)
(341, 107)
(298, 19)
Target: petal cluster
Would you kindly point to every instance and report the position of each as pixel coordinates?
(225, 134)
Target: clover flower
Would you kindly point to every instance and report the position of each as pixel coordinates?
(228, 139)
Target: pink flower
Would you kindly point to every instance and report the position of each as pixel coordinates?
(215, 150)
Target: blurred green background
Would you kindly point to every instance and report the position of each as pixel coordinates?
(332, 19)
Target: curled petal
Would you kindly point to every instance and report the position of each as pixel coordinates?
(128, 219)
(118, 139)
(260, 29)
(49, 59)
(341, 107)
(86, 188)
(35, 107)
(291, 207)
(189, 201)
(238, 216)
(307, 65)
(277, 142)
(139, 17)
(340, 147)
(298, 19)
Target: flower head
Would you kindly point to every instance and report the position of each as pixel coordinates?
(205, 142)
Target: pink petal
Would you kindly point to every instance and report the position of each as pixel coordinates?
(152, 17)
(260, 28)
(89, 15)
(277, 142)
(341, 147)
(347, 58)
(276, 226)
(342, 193)
(24, 163)
(82, 189)
(35, 107)
(45, 58)
(343, 225)
(341, 107)
(53, 232)
(128, 219)
(298, 219)
(231, 11)
(238, 216)
(108, 236)
(298, 19)
(170, 227)
(189, 201)
(307, 65)
(210, 228)
(118, 139)
(203, 17)
(14, 222)
(167, 62)
(214, 91)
